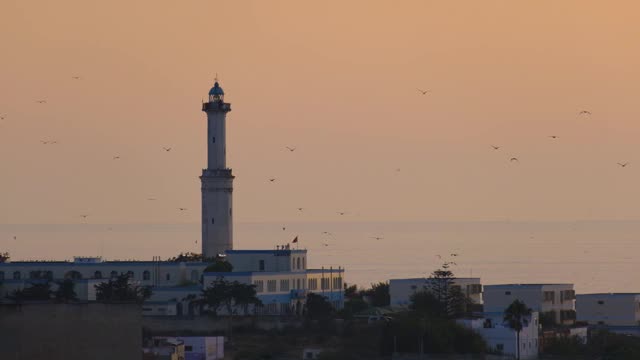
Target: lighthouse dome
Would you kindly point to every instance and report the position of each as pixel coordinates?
(216, 90)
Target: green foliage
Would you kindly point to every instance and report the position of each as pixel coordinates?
(601, 345)
(352, 307)
(548, 319)
(121, 289)
(379, 294)
(193, 257)
(318, 308)
(38, 291)
(351, 292)
(426, 303)
(65, 291)
(219, 265)
(4, 257)
(516, 314)
(223, 293)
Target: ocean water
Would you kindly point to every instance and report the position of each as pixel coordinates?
(595, 256)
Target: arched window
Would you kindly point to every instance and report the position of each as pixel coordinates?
(114, 274)
(194, 275)
(298, 264)
(49, 275)
(73, 275)
(97, 275)
(168, 277)
(213, 221)
(16, 275)
(303, 265)
(146, 275)
(130, 274)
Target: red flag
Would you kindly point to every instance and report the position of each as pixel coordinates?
(295, 240)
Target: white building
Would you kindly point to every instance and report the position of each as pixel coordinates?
(500, 337)
(401, 290)
(198, 347)
(282, 279)
(613, 309)
(556, 302)
(217, 180)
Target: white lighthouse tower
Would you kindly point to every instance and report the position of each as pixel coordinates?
(217, 180)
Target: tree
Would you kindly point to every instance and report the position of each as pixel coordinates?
(38, 291)
(318, 308)
(455, 303)
(516, 317)
(219, 265)
(65, 291)
(226, 294)
(121, 289)
(4, 257)
(351, 292)
(379, 294)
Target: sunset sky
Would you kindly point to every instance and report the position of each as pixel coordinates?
(336, 79)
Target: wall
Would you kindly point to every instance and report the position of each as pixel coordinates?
(401, 290)
(615, 310)
(496, 298)
(71, 331)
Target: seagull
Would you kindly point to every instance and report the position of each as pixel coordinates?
(44, 142)
(167, 149)
(84, 216)
(454, 254)
(327, 233)
(340, 212)
(439, 257)
(76, 77)
(377, 237)
(495, 147)
(41, 101)
(325, 244)
(182, 209)
(3, 116)
(514, 159)
(292, 149)
(15, 238)
(300, 209)
(424, 92)
(116, 157)
(584, 112)
(151, 199)
(553, 136)
(398, 170)
(623, 164)
(284, 228)
(272, 179)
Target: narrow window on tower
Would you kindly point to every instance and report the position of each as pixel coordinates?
(213, 139)
(213, 221)
(229, 211)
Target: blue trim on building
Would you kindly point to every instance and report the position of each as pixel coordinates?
(104, 263)
(274, 252)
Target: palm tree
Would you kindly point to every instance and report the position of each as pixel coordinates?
(516, 317)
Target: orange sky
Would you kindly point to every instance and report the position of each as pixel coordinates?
(336, 79)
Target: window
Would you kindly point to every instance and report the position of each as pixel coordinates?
(600, 302)
(506, 293)
(337, 282)
(474, 288)
(146, 275)
(313, 284)
(284, 285)
(261, 265)
(298, 284)
(284, 308)
(188, 348)
(1, 275)
(168, 277)
(97, 275)
(324, 283)
(549, 296)
(259, 284)
(194, 275)
(16, 275)
(114, 274)
(303, 265)
(500, 347)
(298, 264)
(271, 286)
(213, 139)
(213, 221)
(130, 274)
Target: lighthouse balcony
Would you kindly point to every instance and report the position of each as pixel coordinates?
(217, 173)
(216, 105)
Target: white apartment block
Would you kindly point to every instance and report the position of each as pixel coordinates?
(613, 309)
(401, 290)
(553, 301)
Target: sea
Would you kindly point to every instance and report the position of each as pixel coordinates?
(596, 256)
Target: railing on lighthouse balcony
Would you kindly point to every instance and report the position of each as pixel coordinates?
(215, 105)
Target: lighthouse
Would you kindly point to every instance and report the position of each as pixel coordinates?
(217, 180)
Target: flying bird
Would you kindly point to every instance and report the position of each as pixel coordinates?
(15, 238)
(151, 199)
(584, 112)
(327, 233)
(292, 149)
(182, 209)
(424, 92)
(272, 179)
(167, 149)
(341, 212)
(84, 216)
(377, 237)
(454, 254)
(300, 209)
(284, 228)
(41, 101)
(553, 136)
(495, 147)
(76, 78)
(116, 157)
(3, 116)
(514, 159)
(439, 257)
(623, 164)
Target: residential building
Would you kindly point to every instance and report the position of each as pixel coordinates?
(503, 339)
(401, 290)
(554, 302)
(611, 309)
